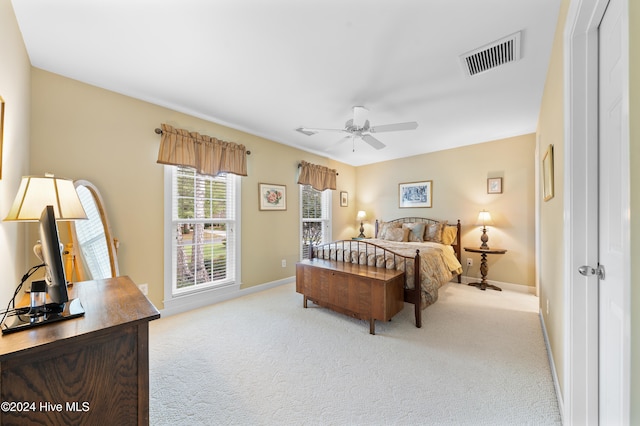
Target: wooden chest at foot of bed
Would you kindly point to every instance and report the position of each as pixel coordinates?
(360, 291)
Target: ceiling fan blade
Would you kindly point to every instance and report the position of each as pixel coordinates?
(332, 146)
(310, 132)
(360, 114)
(373, 141)
(410, 125)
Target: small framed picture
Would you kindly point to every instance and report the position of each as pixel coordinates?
(547, 174)
(344, 199)
(494, 185)
(415, 194)
(272, 196)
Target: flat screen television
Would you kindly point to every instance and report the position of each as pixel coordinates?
(58, 306)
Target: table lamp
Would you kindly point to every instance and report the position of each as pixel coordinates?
(362, 215)
(37, 192)
(484, 219)
(45, 199)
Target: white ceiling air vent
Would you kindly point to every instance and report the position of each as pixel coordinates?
(492, 55)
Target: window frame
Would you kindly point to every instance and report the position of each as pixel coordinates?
(326, 219)
(197, 293)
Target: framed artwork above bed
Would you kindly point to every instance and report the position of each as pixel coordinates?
(415, 194)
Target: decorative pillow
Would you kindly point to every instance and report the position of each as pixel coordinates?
(416, 231)
(433, 232)
(449, 234)
(397, 234)
(385, 226)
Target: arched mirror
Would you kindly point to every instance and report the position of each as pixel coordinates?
(94, 247)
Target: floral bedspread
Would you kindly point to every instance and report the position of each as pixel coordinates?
(438, 263)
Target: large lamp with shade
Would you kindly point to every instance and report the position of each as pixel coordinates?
(37, 192)
(45, 199)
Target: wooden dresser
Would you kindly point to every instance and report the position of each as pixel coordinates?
(88, 370)
(360, 291)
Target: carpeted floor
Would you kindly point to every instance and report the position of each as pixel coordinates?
(262, 359)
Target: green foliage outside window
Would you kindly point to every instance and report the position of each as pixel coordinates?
(201, 228)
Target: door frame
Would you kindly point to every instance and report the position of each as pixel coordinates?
(581, 385)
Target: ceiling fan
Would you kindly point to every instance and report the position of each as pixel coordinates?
(359, 127)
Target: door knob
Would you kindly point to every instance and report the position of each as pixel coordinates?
(588, 271)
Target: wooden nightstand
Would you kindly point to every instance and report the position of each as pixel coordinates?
(484, 269)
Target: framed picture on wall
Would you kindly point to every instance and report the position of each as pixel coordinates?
(415, 194)
(272, 196)
(494, 185)
(547, 174)
(344, 198)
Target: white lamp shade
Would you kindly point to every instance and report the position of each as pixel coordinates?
(362, 215)
(37, 192)
(484, 218)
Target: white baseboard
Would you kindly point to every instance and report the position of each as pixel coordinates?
(215, 295)
(552, 364)
(505, 286)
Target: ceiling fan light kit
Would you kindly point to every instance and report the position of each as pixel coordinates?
(359, 127)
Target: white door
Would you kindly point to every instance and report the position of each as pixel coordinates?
(613, 235)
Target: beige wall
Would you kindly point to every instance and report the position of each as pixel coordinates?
(551, 131)
(15, 88)
(84, 132)
(459, 180)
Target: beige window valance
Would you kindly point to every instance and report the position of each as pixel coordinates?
(319, 177)
(209, 156)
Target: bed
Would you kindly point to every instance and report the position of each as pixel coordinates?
(426, 250)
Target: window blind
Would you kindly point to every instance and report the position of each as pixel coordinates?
(203, 222)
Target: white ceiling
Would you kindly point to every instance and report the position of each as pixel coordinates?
(269, 67)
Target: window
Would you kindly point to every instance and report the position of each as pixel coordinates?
(203, 230)
(315, 213)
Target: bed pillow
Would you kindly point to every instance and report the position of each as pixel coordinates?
(449, 234)
(384, 227)
(397, 234)
(416, 231)
(433, 232)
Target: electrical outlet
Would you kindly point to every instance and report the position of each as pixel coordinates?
(469, 261)
(547, 306)
(284, 263)
(144, 288)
